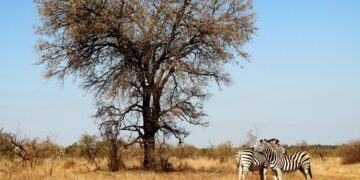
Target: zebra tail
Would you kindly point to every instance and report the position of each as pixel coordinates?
(310, 171)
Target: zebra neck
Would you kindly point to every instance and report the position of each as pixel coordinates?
(273, 156)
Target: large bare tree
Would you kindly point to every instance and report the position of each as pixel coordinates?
(148, 61)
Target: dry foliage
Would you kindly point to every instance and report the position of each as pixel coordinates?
(6, 146)
(27, 151)
(350, 153)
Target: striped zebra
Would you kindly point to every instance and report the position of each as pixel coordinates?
(280, 162)
(251, 160)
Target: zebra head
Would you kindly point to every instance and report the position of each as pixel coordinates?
(275, 143)
(270, 145)
(261, 147)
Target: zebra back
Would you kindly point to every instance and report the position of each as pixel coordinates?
(285, 162)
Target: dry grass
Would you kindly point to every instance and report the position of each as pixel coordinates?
(199, 168)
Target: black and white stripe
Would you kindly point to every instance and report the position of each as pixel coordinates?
(250, 160)
(280, 162)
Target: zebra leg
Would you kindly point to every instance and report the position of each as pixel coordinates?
(279, 174)
(243, 170)
(262, 173)
(274, 172)
(307, 174)
(240, 171)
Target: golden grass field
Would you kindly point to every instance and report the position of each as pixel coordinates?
(199, 168)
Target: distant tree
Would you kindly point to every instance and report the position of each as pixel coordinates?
(150, 62)
(6, 146)
(250, 140)
(88, 148)
(111, 135)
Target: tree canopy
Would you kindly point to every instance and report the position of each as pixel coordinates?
(149, 62)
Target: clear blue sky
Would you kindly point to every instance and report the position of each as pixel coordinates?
(303, 82)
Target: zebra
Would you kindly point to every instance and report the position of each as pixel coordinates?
(251, 160)
(280, 162)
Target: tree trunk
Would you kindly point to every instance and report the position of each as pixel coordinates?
(114, 159)
(150, 128)
(150, 118)
(149, 153)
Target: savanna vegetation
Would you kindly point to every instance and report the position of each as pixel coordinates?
(88, 158)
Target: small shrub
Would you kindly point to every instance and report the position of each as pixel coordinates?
(184, 166)
(350, 153)
(302, 146)
(223, 151)
(184, 151)
(73, 150)
(163, 154)
(114, 154)
(6, 147)
(31, 151)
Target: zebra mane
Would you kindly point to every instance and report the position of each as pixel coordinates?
(273, 143)
(274, 140)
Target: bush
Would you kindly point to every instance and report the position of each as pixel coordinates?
(184, 151)
(6, 147)
(73, 150)
(350, 153)
(88, 148)
(302, 146)
(32, 151)
(223, 151)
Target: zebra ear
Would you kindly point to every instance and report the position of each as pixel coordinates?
(276, 141)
